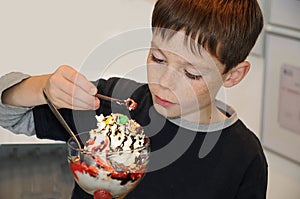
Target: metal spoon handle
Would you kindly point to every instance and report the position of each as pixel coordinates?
(118, 101)
(130, 104)
(60, 118)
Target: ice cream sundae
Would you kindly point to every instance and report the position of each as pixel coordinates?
(113, 159)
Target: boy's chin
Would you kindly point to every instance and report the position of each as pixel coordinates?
(174, 113)
(170, 113)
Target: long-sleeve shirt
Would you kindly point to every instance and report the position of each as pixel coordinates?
(188, 160)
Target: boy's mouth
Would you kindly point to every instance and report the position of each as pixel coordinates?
(163, 102)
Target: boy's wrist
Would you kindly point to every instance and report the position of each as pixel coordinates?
(26, 93)
(40, 82)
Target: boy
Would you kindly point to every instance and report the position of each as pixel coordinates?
(200, 149)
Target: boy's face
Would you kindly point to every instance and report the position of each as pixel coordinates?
(182, 83)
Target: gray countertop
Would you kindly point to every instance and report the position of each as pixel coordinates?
(37, 171)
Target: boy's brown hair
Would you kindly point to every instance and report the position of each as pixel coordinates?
(227, 29)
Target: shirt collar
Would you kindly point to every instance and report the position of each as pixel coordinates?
(210, 127)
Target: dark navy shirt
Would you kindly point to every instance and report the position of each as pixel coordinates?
(234, 167)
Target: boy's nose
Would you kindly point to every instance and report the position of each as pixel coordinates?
(168, 79)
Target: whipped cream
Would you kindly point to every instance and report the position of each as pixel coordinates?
(124, 134)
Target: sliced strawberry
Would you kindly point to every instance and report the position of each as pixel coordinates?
(76, 166)
(119, 175)
(91, 142)
(104, 165)
(84, 166)
(93, 171)
(102, 194)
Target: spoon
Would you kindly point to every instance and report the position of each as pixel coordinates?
(130, 104)
(61, 119)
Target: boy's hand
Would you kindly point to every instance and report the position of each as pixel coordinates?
(67, 88)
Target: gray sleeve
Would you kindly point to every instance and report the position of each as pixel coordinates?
(18, 120)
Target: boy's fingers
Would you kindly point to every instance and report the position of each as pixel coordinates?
(71, 84)
(70, 89)
(76, 94)
(64, 100)
(80, 95)
(78, 79)
(85, 84)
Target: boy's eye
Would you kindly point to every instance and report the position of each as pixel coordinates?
(157, 60)
(192, 76)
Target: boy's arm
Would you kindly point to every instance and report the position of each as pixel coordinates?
(19, 93)
(26, 93)
(16, 119)
(66, 87)
(47, 126)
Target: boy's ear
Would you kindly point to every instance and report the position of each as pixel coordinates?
(236, 74)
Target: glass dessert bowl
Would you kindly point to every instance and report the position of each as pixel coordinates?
(107, 165)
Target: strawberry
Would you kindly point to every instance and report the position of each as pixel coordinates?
(93, 171)
(104, 165)
(119, 175)
(91, 141)
(102, 194)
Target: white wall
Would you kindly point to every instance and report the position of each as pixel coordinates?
(37, 36)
